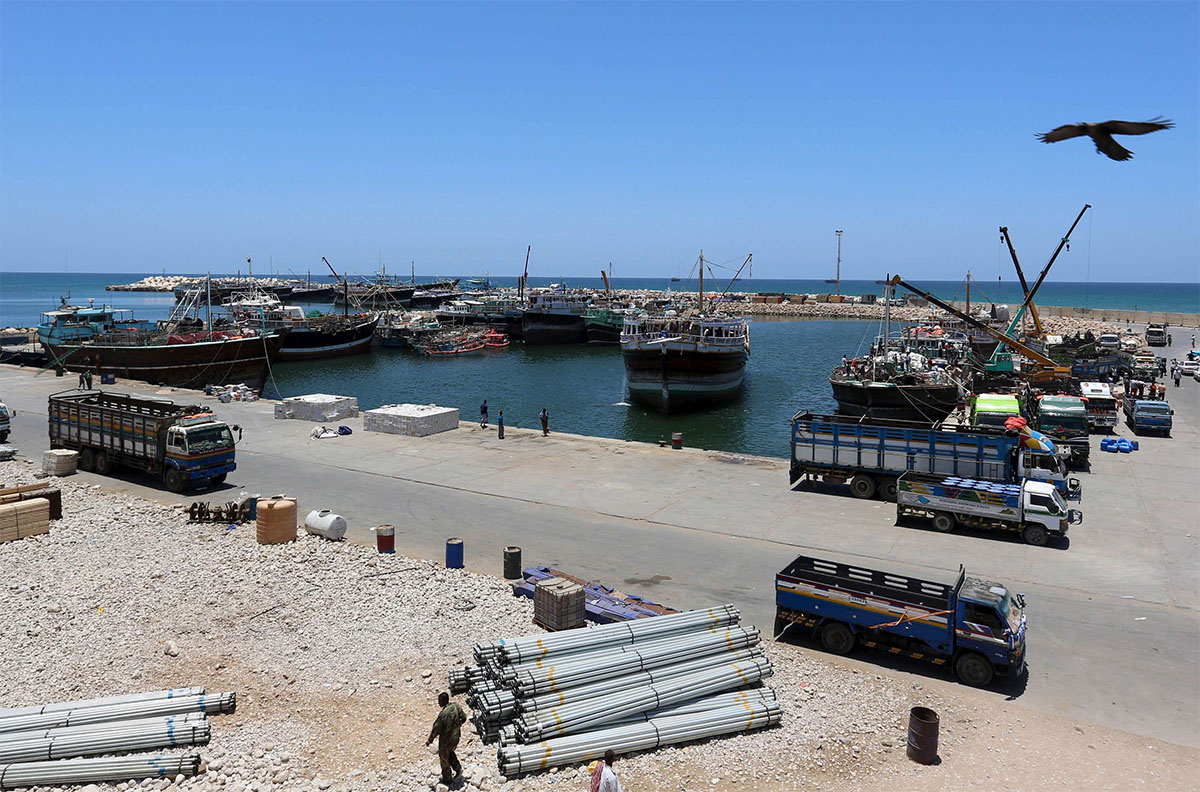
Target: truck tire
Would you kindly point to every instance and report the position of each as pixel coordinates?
(862, 486)
(1035, 535)
(888, 489)
(3, 437)
(174, 480)
(944, 522)
(87, 459)
(217, 479)
(837, 638)
(973, 669)
(103, 464)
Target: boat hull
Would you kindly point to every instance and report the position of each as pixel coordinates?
(602, 333)
(316, 343)
(232, 360)
(551, 328)
(889, 400)
(672, 381)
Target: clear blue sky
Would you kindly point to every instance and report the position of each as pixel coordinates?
(188, 136)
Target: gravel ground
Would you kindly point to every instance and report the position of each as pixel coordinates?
(337, 654)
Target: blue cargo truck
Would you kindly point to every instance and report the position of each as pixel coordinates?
(1147, 415)
(973, 625)
(184, 444)
(872, 454)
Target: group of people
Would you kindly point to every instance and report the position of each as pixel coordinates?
(447, 730)
(543, 416)
(1136, 389)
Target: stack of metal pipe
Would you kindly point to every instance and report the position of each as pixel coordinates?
(39, 745)
(559, 698)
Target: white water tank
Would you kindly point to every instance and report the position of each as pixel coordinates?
(323, 522)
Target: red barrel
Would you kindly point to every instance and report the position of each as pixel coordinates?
(385, 538)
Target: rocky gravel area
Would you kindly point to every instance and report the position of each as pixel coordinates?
(337, 654)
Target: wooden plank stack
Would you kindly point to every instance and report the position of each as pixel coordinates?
(558, 604)
(59, 462)
(24, 518)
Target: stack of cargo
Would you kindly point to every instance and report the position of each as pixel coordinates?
(558, 604)
(317, 407)
(413, 420)
(630, 686)
(24, 518)
(59, 462)
(45, 745)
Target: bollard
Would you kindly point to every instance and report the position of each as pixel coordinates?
(922, 735)
(454, 553)
(677, 440)
(385, 538)
(512, 562)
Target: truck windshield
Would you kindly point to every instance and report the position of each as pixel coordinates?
(1056, 424)
(1155, 409)
(209, 438)
(991, 418)
(1060, 503)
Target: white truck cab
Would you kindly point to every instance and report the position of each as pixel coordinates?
(5, 423)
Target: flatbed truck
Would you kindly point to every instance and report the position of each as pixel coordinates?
(1148, 415)
(185, 445)
(1064, 419)
(975, 626)
(1032, 509)
(871, 454)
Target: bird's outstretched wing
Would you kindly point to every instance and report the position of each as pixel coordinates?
(1138, 127)
(1063, 132)
(1111, 148)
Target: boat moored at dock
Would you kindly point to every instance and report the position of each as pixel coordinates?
(681, 362)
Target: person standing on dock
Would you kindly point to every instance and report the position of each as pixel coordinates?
(500, 425)
(545, 416)
(447, 730)
(483, 415)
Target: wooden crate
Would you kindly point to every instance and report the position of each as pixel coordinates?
(25, 518)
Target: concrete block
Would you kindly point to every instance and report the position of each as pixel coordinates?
(319, 407)
(414, 420)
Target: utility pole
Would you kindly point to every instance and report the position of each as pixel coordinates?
(839, 262)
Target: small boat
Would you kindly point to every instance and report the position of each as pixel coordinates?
(494, 339)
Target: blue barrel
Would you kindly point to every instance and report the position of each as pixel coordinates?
(1133, 445)
(1108, 444)
(454, 553)
(1123, 446)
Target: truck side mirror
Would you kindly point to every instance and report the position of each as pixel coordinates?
(237, 429)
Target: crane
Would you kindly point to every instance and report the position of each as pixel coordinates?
(1029, 293)
(1047, 368)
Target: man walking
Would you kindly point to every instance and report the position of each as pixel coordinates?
(500, 425)
(1178, 376)
(483, 415)
(447, 730)
(608, 776)
(545, 416)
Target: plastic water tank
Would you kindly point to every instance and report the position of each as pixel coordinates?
(276, 520)
(323, 522)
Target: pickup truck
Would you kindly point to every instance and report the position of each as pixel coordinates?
(974, 625)
(1033, 509)
(184, 444)
(872, 453)
(1145, 415)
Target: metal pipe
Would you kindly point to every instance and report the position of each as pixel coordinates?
(107, 741)
(102, 702)
(87, 771)
(214, 703)
(93, 728)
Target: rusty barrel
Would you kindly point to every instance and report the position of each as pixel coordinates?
(677, 440)
(922, 735)
(385, 538)
(512, 562)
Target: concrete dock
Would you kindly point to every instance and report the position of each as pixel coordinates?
(1114, 612)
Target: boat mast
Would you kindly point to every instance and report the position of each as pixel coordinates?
(208, 301)
(838, 275)
(525, 276)
(701, 282)
(968, 291)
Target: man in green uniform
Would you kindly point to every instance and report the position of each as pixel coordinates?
(446, 729)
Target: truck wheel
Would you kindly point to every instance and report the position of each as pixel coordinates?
(943, 522)
(837, 638)
(217, 479)
(862, 486)
(1036, 535)
(3, 437)
(973, 669)
(103, 464)
(174, 480)
(87, 459)
(888, 490)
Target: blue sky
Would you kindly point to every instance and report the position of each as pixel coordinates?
(189, 136)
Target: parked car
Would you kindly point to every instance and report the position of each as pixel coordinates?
(1190, 367)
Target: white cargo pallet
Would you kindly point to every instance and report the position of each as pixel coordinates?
(414, 420)
(318, 407)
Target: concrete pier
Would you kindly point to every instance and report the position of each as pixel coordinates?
(1114, 613)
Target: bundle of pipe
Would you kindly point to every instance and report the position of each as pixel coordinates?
(133, 736)
(570, 718)
(80, 714)
(748, 697)
(63, 731)
(88, 771)
(515, 759)
(38, 709)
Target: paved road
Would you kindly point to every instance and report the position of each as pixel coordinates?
(1115, 628)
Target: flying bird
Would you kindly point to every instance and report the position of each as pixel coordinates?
(1102, 134)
